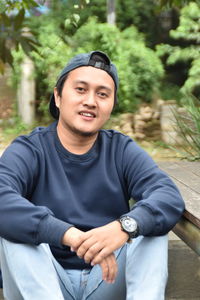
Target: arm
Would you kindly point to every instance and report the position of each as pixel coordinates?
(21, 220)
(158, 207)
(159, 204)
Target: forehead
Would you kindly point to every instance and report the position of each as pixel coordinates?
(91, 75)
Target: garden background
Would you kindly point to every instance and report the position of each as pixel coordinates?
(155, 45)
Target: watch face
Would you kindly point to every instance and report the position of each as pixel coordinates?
(129, 224)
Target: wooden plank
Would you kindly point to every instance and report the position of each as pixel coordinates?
(182, 174)
(189, 233)
(193, 219)
(192, 202)
(185, 176)
(194, 167)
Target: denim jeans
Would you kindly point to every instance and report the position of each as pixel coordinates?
(32, 273)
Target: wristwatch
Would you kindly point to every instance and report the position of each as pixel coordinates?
(130, 226)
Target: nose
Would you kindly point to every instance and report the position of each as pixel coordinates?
(89, 99)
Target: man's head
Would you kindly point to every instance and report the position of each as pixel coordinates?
(96, 59)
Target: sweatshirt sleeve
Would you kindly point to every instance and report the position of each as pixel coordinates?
(20, 220)
(159, 204)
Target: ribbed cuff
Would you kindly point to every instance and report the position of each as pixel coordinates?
(51, 230)
(144, 219)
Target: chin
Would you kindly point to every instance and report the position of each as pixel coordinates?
(84, 133)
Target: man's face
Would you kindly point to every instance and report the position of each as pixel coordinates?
(87, 100)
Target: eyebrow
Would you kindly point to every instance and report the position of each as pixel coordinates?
(99, 87)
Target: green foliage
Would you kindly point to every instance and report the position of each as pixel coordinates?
(144, 17)
(10, 5)
(13, 30)
(138, 66)
(187, 34)
(174, 3)
(169, 91)
(188, 126)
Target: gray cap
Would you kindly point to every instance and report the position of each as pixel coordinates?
(96, 59)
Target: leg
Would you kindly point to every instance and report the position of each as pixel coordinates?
(142, 272)
(97, 289)
(29, 272)
(146, 268)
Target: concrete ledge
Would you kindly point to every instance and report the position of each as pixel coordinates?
(184, 272)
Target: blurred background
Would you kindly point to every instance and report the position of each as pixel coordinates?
(155, 45)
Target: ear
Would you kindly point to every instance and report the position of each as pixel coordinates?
(57, 98)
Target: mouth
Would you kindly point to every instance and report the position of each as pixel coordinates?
(87, 114)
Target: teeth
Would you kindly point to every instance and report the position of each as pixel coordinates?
(87, 114)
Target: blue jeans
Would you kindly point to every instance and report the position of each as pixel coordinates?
(32, 273)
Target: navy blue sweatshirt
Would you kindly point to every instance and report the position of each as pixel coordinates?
(44, 189)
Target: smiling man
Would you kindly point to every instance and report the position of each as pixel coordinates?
(66, 228)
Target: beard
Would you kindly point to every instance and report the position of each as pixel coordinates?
(80, 132)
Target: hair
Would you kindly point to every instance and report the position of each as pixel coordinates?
(60, 84)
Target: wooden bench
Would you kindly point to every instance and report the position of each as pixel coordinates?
(186, 176)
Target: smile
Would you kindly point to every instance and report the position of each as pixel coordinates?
(87, 114)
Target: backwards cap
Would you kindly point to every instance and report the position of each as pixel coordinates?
(96, 59)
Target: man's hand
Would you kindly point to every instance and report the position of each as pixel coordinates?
(109, 268)
(73, 237)
(100, 242)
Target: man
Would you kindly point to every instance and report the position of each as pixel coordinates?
(68, 186)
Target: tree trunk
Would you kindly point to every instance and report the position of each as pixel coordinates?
(26, 92)
(111, 16)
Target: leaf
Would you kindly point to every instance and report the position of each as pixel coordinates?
(2, 67)
(18, 20)
(76, 18)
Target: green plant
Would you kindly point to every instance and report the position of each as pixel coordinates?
(188, 127)
(188, 49)
(169, 91)
(14, 31)
(140, 70)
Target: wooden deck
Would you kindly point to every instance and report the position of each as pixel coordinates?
(186, 176)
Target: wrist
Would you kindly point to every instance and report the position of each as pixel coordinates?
(67, 236)
(129, 226)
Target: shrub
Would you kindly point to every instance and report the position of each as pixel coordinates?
(188, 50)
(188, 127)
(139, 68)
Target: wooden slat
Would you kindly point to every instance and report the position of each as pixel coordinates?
(183, 174)
(193, 167)
(186, 176)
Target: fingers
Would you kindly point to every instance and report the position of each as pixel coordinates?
(89, 251)
(90, 245)
(109, 269)
(100, 256)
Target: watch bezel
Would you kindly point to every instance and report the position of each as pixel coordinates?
(132, 233)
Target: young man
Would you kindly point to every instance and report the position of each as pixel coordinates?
(65, 223)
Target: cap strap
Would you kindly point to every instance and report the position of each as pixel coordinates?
(99, 65)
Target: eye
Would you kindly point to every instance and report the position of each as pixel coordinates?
(102, 95)
(80, 89)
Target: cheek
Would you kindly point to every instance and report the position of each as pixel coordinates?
(107, 113)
